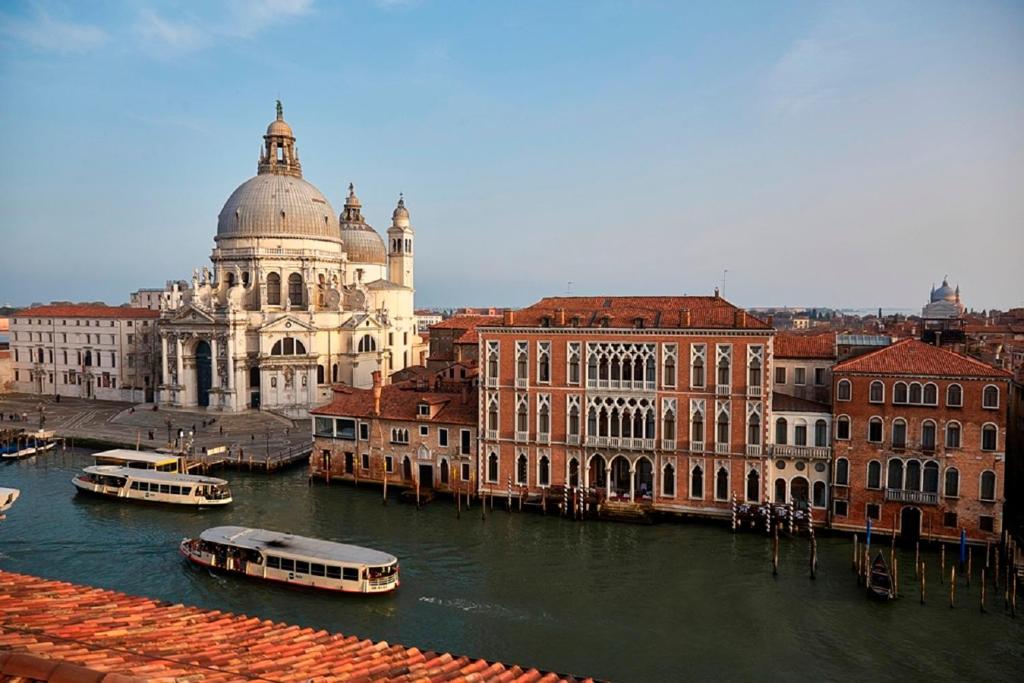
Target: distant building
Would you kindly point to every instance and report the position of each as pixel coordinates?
(425, 319)
(942, 318)
(920, 443)
(147, 298)
(87, 351)
(402, 432)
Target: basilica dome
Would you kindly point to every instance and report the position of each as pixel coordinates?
(362, 243)
(277, 202)
(945, 292)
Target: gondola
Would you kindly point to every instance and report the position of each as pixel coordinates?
(880, 582)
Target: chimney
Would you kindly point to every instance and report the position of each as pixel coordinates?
(741, 318)
(377, 389)
(684, 317)
(560, 317)
(508, 317)
(771, 321)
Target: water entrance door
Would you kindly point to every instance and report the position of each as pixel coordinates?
(910, 525)
(426, 476)
(204, 373)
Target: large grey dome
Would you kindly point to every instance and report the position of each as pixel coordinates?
(277, 205)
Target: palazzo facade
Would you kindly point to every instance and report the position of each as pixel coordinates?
(297, 297)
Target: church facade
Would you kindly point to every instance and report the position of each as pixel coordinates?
(297, 298)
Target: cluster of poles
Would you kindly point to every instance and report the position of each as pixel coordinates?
(999, 570)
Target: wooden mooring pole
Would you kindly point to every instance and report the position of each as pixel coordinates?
(775, 549)
(917, 558)
(895, 577)
(922, 575)
(942, 562)
(983, 590)
(814, 555)
(970, 557)
(385, 502)
(952, 586)
(856, 555)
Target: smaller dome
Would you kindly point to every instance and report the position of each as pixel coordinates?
(279, 127)
(362, 243)
(400, 216)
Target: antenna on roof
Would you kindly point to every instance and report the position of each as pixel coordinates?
(568, 288)
(724, 273)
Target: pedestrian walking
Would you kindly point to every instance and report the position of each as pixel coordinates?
(222, 430)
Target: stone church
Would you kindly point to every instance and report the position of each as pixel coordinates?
(297, 298)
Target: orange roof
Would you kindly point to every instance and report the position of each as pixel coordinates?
(399, 401)
(913, 357)
(466, 322)
(788, 345)
(5, 354)
(662, 312)
(151, 639)
(86, 311)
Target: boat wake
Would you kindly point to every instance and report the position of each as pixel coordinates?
(480, 608)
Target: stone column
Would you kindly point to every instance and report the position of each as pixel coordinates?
(632, 481)
(586, 475)
(231, 363)
(179, 361)
(608, 481)
(213, 362)
(163, 359)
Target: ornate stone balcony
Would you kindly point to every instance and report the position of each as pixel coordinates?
(753, 392)
(573, 439)
(723, 390)
(522, 383)
(621, 384)
(812, 452)
(492, 434)
(722, 448)
(696, 446)
(491, 382)
(522, 436)
(919, 497)
(753, 450)
(623, 442)
(668, 444)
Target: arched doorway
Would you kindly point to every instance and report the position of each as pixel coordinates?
(799, 492)
(596, 472)
(644, 479)
(780, 491)
(910, 525)
(574, 473)
(204, 373)
(620, 476)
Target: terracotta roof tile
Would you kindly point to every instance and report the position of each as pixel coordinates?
(789, 345)
(466, 322)
(399, 401)
(86, 311)
(912, 357)
(659, 312)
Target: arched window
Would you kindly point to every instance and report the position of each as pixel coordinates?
(668, 481)
(367, 344)
(723, 372)
(781, 431)
(544, 471)
(522, 470)
(722, 436)
(931, 395)
(988, 485)
(780, 490)
(697, 372)
(899, 433)
(592, 421)
(843, 427)
(722, 484)
(875, 430)
(574, 421)
(697, 482)
(842, 472)
(754, 374)
(800, 433)
(988, 437)
(954, 396)
(895, 474)
(899, 391)
(844, 391)
(288, 346)
(295, 290)
(492, 468)
(320, 374)
(915, 393)
(492, 416)
(753, 486)
(574, 472)
(274, 289)
(928, 435)
(698, 428)
(952, 435)
(990, 397)
(754, 430)
(952, 483)
(877, 392)
(931, 477)
(334, 372)
(913, 478)
(406, 468)
(819, 494)
(522, 418)
(668, 430)
(544, 419)
(820, 434)
(874, 475)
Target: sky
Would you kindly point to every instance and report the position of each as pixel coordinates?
(795, 153)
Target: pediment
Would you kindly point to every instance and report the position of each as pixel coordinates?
(192, 314)
(362, 322)
(288, 324)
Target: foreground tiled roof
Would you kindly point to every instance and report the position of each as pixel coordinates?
(466, 322)
(107, 631)
(399, 401)
(86, 311)
(785, 403)
(820, 345)
(659, 312)
(913, 357)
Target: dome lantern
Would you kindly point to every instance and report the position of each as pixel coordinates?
(279, 154)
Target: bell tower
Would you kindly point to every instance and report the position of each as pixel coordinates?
(279, 154)
(400, 243)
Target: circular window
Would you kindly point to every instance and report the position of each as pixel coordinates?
(819, 467)
(780, 464)
(801, 466)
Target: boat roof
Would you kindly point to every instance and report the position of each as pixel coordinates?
(291, 545)
(134, 456)
(152, 475)
(4, 491)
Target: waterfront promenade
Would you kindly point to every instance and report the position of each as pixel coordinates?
(259, 435)
(50, 622)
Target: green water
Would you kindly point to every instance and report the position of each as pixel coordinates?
(629, 603)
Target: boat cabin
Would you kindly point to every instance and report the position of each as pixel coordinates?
(143, 460)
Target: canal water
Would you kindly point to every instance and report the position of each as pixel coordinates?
(629, 603)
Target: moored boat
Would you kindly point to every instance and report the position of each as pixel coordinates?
(296, 560)
(152, 486)
(879, 580)
(31, 444)
(7, 498)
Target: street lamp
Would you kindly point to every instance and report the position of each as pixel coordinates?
(170, 426)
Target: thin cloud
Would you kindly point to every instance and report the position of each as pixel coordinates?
(163, 35)
(44, 32)
(249, 17)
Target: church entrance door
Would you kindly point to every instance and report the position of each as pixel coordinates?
(204, 373)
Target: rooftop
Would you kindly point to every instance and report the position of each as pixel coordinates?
(912, 357)
(466, 322)
(792, 404)
(399, 402)
(86, 311)
(658, 312)
(109, 631)
(290, 545)
(789, 345)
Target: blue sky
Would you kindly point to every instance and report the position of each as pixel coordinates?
(842, 154)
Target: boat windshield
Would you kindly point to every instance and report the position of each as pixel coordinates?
(215, 491)
(381, 572)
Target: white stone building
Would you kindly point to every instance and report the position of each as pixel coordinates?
(298, 297)
(943, 303)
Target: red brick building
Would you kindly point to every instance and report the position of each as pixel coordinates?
(455, 340)
(920, 443)
(408, 432)
(658, 402)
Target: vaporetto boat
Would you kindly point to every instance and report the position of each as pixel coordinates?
(296, 560)
(28, 445)
(152, 486)
(7, 498)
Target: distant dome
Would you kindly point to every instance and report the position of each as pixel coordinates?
(362, 243)
(277, 205)
(944, 293)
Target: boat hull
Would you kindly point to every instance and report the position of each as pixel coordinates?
(93, 489)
